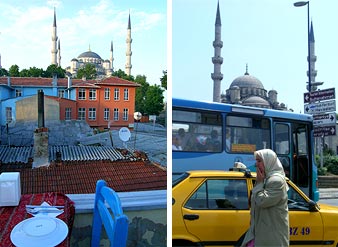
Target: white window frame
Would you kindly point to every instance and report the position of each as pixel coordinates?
(107, 93)
(82, 113)
(125, 114)
(116, 114)
(18, 92)
(81, 94)
(116, 94)
(106, 114)
(92, 113)
(61, 93)
(126, 94)
(92, 94)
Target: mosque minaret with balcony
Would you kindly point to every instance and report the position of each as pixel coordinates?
(217, 59)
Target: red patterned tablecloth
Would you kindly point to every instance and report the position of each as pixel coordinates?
(11, 216)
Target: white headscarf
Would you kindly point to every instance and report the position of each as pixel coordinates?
(271, 162)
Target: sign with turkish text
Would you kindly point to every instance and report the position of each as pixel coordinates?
(324, 131)
(320, 95)
(320, 107)
(324, 119)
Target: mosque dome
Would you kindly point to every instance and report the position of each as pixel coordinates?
(247, 81)
(256, 101)
(89, 54)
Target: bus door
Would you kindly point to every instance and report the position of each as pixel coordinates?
(282, 146)
(301, 169)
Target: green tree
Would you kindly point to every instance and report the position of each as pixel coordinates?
(88, 71)
(141, 93)
(121, 74)
(164, 80)
(14, 71)
(3, 72)
(35, 72)
(149, 98)
(54, 69)
(24, 73)
(153, 104)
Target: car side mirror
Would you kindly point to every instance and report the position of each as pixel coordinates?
(313, 207)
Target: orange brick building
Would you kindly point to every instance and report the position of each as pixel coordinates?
(104, 103)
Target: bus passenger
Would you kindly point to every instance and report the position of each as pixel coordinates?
(183, 137)
(214, 145)
(176, 144)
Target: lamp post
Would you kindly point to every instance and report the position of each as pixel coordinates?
(300, 4)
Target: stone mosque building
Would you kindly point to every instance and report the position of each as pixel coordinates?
(104, 67)
(249, 91)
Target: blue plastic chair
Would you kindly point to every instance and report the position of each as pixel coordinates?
(114, 222)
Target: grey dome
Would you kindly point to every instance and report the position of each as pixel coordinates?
(246, 81)
(89, 54)
(256, 101)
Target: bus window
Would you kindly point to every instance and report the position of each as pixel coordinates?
(248, 134)
(198, 131)
(282, 138)
(282, 145)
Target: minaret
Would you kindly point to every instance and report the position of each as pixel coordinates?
(217, 60)
(128, 52)
(111, 56)
(313, 59)
(54, 41)
(59, 53)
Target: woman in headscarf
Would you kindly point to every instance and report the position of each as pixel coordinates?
(269, 223)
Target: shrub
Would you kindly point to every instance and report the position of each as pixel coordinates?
(322, 171)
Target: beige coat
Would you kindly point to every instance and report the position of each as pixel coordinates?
(269, 224)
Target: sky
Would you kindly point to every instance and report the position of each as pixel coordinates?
(269, 36)
(26, 30)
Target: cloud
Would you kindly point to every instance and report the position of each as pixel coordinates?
(26, 29)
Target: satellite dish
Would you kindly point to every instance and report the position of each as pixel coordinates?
(124, 134)
(137, 115)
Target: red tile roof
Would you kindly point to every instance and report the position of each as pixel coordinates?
(38, 81)
(116, 81)
(80, 177)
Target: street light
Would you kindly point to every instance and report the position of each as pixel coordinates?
(301, 4)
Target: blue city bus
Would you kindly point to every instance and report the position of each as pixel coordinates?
(213, 136)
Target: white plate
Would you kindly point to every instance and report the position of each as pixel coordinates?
(39, 231)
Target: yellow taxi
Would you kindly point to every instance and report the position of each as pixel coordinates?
(210, 208)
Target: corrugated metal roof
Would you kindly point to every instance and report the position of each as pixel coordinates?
(15, 154)
(10, 155)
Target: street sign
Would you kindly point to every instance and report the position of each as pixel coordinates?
(324, 119)
(320, 95)
(324, 131)
(320, 107)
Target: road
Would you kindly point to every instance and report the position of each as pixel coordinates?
(333, 201)
(328, 196)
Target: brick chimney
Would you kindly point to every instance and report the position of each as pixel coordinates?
(41, 157)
